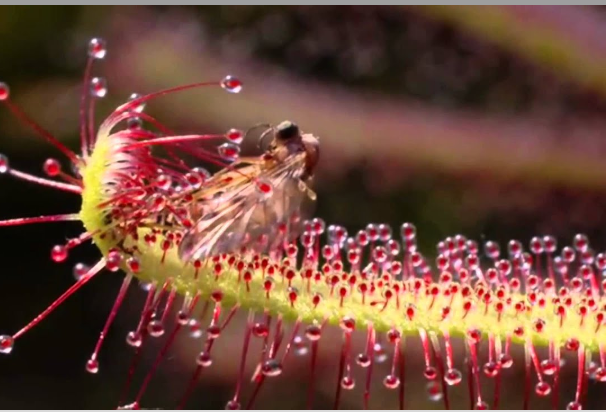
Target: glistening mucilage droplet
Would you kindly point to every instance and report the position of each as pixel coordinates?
(97, 48)
(4, 166)
(98, 87)
(231, 84)
(229, 151)
(4, 91)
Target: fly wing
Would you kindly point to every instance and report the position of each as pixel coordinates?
(239, 215)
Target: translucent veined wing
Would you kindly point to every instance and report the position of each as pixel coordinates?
(234, 213)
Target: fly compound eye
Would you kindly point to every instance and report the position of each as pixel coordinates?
(287, 130)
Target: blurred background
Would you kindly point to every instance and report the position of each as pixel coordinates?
(484, 121)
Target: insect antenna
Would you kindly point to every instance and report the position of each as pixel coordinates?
(263, 136)
(257, 126)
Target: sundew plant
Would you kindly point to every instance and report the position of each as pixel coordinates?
(238, 241)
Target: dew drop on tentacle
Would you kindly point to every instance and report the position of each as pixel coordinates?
(260, 330)
(542, 389)
(4, 165)
(213, 331)
(347, 324)
(348, 383)
(391, 381)
(145, 286)
(591, 366)
(572, 344)
(362, 238)
(506, 361)
(393, 247)
(550, 244)
(235, 136)
(574, 406)
(600, 374)
(379, 254)
(229, 151)
(313, 332)
(79, 270)
(131, 406)
(204, 359)
(385, 232)
(363, 360)
(581, 242)
(133, 264)
(471, 246)
(568, 254)
(430, 373)
(6, 344)
(380, 354)
(196, 177)
(453, 377)
(92, 366)
(52, 167)
(98, 87)
(113, 261)
(134, 123)
(203, 173)
(4, 91)
(264, 188)
(301, 348)
(231, 84)
(140, 107)
(548, 367)
(183, 317)
(474, 335)
(134, 339)
(373, 232)
(318, 226)
(434, 391)
(195, 329)
(59, 253)
(491, 369)
(514, 248)
(97, 48)
(271, 368)
(536, 245)
(492, 250)
(163, 182)
(155, 328)
(408, 231)
(233, 405)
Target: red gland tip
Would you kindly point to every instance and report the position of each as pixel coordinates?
(4, 91)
